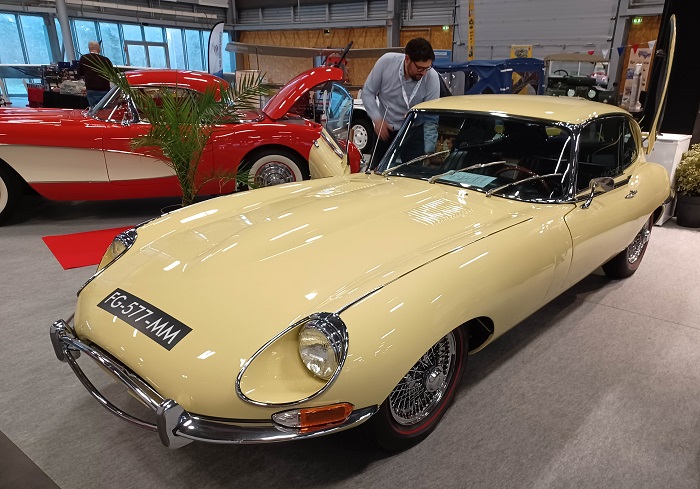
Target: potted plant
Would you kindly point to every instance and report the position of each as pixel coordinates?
(687, 183)
(182, 122)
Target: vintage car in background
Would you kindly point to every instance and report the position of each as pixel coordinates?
(364, 294)
(66, 154)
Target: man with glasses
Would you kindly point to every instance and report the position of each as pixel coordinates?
(396, 83)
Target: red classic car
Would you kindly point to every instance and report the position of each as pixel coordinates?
(68, 154)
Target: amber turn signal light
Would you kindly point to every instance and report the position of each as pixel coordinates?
(310, 419)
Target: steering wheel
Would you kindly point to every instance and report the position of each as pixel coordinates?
(566, 73)
(527, 171)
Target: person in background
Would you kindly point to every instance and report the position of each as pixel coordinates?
(396, 83)
(96, 86)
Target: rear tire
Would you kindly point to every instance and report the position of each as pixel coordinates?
(273, 166)
(416, 405)
(625, 263)
(10, 192)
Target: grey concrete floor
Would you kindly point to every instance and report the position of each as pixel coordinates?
(600, 388)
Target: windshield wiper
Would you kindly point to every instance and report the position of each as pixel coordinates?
(489, 193)
(434, 178)
(419, 158)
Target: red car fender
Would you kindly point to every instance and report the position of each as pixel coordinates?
(233, 146)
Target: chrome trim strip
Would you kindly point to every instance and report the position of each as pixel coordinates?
(583, 195)
(210, 430)
(175, 426)
(330, 381)
(489, 193)
(100, 270)
(63, 335)
(332, 144)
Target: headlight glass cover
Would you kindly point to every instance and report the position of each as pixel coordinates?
(122, 242)
(323, 344)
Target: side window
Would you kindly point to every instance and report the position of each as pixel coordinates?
(601, 149)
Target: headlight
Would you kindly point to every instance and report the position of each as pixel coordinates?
(122, 242)
(323, 344)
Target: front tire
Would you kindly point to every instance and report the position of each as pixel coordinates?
(273, 166)
(416, 405)
(625, 263)
(10, 192)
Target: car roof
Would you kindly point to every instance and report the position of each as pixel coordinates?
(571, 110)
(195, 80)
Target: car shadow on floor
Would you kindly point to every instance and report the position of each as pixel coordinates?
(37, 209)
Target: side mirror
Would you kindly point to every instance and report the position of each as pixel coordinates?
(602, 184)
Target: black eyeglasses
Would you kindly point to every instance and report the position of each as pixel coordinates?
(421, 69)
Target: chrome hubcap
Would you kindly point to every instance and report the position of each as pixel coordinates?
(635, 249)
(274, 173)
(424, 386)
(359, 136)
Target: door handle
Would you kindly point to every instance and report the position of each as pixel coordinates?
(631, 194)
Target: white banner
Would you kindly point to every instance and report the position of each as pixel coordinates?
(216, 50)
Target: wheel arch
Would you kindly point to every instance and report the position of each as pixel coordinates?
(469, 286)
(657, 213)
(271, 147)
(479, 331)
(25, 186)
(358, 114)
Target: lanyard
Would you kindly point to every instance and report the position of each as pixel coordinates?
(406, 98)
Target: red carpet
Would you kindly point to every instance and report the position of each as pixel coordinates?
(81, 249)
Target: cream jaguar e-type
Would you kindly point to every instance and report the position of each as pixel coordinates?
(312, 307)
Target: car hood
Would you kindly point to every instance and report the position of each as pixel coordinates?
(238, 270)
(287, 251)
(280, 104)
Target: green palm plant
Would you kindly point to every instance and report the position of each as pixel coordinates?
(183, 121)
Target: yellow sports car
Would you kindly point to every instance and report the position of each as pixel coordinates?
(311, 307)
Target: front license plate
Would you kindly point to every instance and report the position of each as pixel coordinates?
(151, 321)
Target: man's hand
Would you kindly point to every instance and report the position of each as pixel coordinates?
(382, 130)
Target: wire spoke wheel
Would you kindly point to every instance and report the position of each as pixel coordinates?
(625, 263)
(424, 386)
(636, 248)
(416, 405)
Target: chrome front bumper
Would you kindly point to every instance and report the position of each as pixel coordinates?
(175, 426)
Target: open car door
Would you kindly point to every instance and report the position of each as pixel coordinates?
(663, 87)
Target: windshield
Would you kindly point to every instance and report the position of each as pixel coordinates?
(103, 109)
(115, 106)
(518, 158)
(333, 104)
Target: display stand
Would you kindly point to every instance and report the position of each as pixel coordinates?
(668, 151)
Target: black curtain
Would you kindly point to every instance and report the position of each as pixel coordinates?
(683, 96)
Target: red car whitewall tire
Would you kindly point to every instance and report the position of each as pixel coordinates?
(275, 166)
(10, 192)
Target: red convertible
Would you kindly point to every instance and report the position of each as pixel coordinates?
(66, 154)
